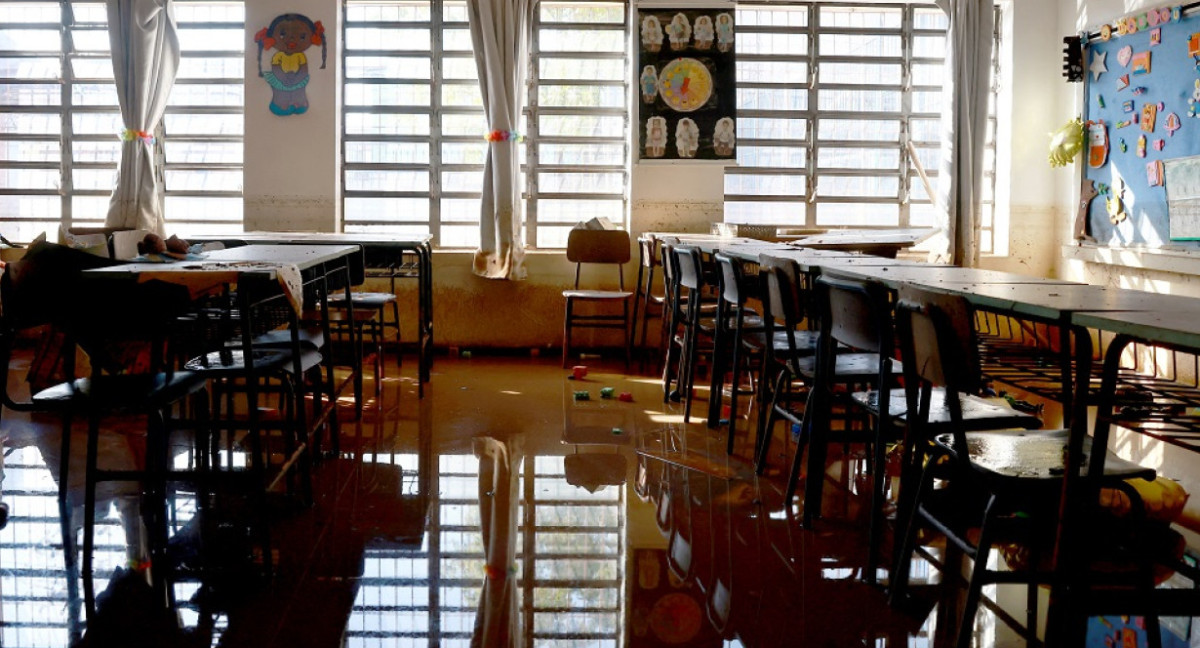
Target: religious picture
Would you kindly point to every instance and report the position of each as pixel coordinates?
(649, 84)
(703, 33)
(656, 137)
(724, 32)
(652, 33)
(724, 137)
(679, 31)
(687, 138)
(688, 107)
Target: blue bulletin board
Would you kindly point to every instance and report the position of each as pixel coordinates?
(1141, 83)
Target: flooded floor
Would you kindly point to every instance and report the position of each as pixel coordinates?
(500, 505)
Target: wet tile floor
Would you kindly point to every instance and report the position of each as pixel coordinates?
(604, 523)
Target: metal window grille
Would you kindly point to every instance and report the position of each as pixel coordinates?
(829, 96)
(577, 118)
(413, 122)
(59, 118)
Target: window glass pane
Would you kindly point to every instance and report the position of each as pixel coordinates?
(857, 158)
(386, 124)
(858, 215)
(30, 94)
(464, 152)
(764, 213)
(29, 40)
(359, 94)
(859, 186)
(378, 38)
(764, 185)
(578, 40)
(762, 128)
(872, 45)
(576, 68)
(859, 100)
(772, 99)
(387, 152)
(576, 154)
(382, 180)
(860, 17)
(388, 67)
(859, 129)
(581, 125)
(786, 157)
(31, 68)
(860, 74)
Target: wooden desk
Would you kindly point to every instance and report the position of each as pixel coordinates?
(880, 242)
(384, 256)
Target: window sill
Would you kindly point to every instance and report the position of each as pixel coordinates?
(1162, 260)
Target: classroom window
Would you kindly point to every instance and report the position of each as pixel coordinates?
(413, 121)
(60, 121)
(829, 97)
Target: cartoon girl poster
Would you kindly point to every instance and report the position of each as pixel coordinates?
(289, 35)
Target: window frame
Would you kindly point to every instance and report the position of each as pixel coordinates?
(904, 173)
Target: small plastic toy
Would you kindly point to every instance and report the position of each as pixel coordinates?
(582, 395)
(607, 392)
(625, 397)
(617, 431)
(1141, 149)
(579, 372)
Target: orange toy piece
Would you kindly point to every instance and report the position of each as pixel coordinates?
(1097, 144)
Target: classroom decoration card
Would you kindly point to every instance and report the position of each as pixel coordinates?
(687, 84)
(1144, 83)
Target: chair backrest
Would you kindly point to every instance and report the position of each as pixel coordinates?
(782, 302)
(598, 246)
(689, 266)
(648, 248)
(732, 279)
(937, 346)
(856, 313)
(609, 247)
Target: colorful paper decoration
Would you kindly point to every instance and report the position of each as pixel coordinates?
(1098, 65)
(1124, 54)
(1127, 107)
(1149, 117)
(1159, 144)
(1155, 36)
(1122, 145)
(1134, 23)
(1097, 144)
(1154, 173)
(1173, 124)
(1122, 82)
(1140, 64)
(1141, 149)
(1194, 102)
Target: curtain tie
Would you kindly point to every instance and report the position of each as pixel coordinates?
(504, 136)
(128, 135)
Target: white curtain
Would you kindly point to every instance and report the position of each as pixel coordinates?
(145, 56)
(964, 127)
(500, 33)
(498, 621)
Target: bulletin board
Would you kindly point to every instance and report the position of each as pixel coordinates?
(1142, 113)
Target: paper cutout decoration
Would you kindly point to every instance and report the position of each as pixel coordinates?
(1194, 102)
(648, 82)
(1098, 65)
(1124, 54)
(1194, 45)
(1154, 173)
(1155, 37)
(1149, 117)
(1127, 107)
(1121, 143)
(652, 33)
(1141, 63)
(1115, 208)
(1097, 144)
(1173, 124)
(1122, 82)
(1159, 145)
(289, 34)
(724, 136)
(656, 137)
(1100, 100)
(687, 138)
(1139, 91)
(1141, 150)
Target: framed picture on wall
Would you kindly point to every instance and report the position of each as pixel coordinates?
(687, 83)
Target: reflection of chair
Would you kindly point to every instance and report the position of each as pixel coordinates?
(599, 247)
(999, 487)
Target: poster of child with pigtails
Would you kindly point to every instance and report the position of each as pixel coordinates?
(286, 40)
(686, 84)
